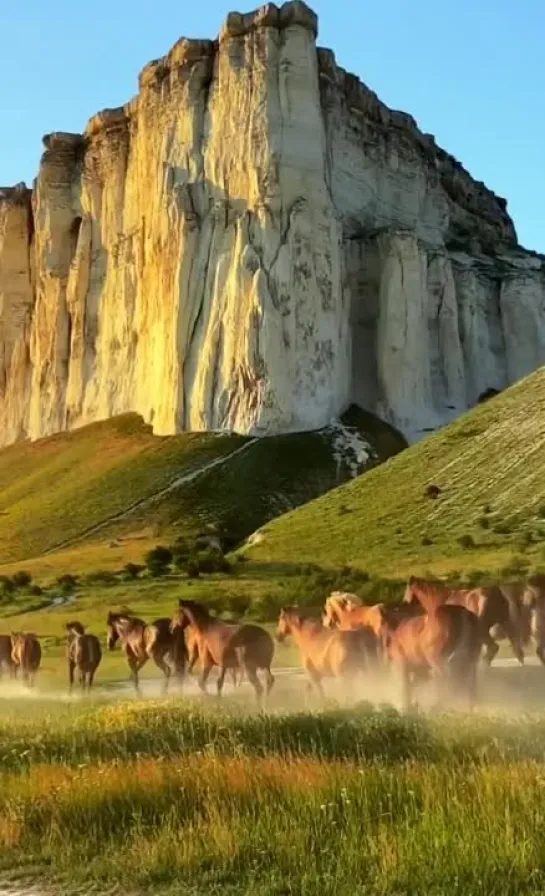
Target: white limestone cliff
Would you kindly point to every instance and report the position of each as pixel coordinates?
(251, 244)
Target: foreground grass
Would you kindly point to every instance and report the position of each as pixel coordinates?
(152, 797)
(489, 515)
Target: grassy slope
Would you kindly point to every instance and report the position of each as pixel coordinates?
(490, 467)
(54, 491)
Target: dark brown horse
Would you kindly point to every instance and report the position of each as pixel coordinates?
(227, 646)
(142, 642)
(446, 641)
(83, 653)
(325, 652)
(6, 662)
(527, 604)
(26, 655)
(489, 605)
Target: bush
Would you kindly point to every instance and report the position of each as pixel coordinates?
(426, 540)
(132, 570)
(7, 586)
(502, 529)
(484, 522)
(466, 541)
(193, 569)
(35, 590)
(22, 579)
(158, 560)
(213, 561)
(67, 581)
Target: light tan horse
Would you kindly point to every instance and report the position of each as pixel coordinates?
(84, 653)
(342, 613)
(6, 662)
(446, 641)
(192, 644)
(489, 605)
(26, 655)
(325, 652)
(228, 646)
(142, 642)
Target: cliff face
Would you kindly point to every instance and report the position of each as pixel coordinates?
(251, 244)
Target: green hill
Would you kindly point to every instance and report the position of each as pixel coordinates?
(488, 470)
(116, 484)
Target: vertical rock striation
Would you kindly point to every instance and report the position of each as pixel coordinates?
(250, 244)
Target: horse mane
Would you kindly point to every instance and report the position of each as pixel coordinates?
(431, 589)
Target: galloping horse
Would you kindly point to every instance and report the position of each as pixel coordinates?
(325, 652)
(192, 644)
(228, 646)
(84, 654)
(446, 640)
(26, 654)
(142, 642)
(527, 603)
(340, 612)
(489, 605)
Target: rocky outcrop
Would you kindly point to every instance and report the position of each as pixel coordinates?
(251, 244)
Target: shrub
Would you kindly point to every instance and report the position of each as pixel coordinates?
(67, 581)
(433, 491)
(426, 540)
(22, 579)
(193, 570)
(213, 561)
(35, 590)
(7, 585)
(158, 560)
(466, 541)
(133, 570)
(487, 508)
(502, 529)
(484, 522)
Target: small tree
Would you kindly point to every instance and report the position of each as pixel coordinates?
(22, 579)
(6, 585)
(158, 560)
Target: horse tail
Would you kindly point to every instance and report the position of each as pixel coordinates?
(178, 652)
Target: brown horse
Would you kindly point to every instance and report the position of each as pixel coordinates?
(84, 654)
(489, 605)
(227, 646)
(6, 662)
(192, 644)
(26, 655)
(325, 652)
(446, 641)
(142, 642)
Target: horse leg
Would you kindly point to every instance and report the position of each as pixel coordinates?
(206, 668)
(164, 667)
(407, 688)
(71, 667)
(540, 651)
(221, 679)
(135, 665)
(315, 682)
(269, 681)
(491, 647)
(515, 641)
(251, 673)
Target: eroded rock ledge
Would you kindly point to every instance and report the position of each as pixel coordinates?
(251, 244)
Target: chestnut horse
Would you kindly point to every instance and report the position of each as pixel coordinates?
(228, 646)
(142, 642)
(489, 605)
(6, 662)
(26, 654)
(84, 654)
(446, 641)
(192, 644)
(325, 652)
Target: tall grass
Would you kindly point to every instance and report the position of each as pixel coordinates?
(277, 826)
(165, 797)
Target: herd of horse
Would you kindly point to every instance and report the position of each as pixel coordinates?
(435, 633)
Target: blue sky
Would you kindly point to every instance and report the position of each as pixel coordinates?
(472, 73)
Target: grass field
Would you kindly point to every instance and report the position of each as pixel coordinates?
(489, 515)
(154, 796)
